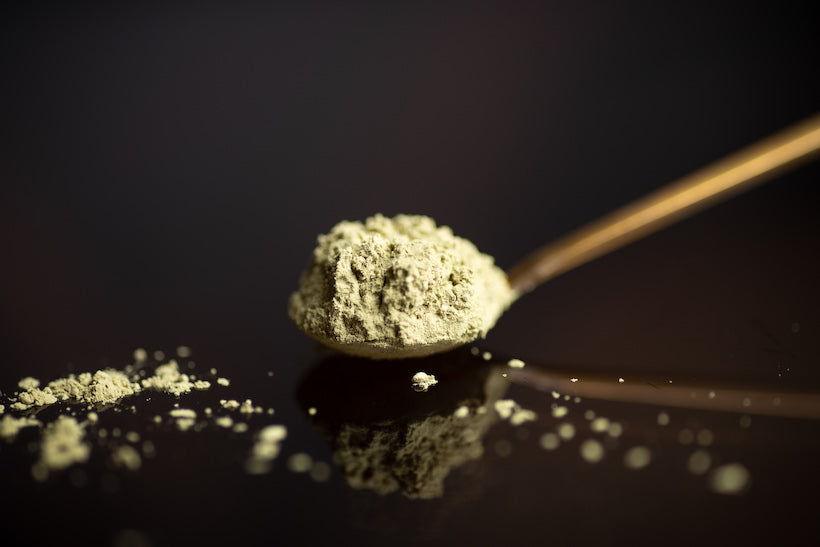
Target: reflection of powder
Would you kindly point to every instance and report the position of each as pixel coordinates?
(398, 283)
(62, 445)
(126, 456)
(266, 449)
(10, 426)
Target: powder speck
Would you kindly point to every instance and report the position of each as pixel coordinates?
(300, 462)
(731, 478)
(549, 441)
(127, 457)
(515, 363)
(699, 462)
(592, 451)
(400, 283)
(266, 449)
(599, 425)
(566, 431)
(10, 426)
(637, 457)
(559, 411)
(663, 418)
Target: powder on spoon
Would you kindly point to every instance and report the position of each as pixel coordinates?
(399, 287)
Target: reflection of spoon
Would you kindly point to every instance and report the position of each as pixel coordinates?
(385, 436)
(661, 208)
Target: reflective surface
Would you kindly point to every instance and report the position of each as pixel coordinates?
(165, 173)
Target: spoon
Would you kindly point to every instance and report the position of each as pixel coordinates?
(707, 186)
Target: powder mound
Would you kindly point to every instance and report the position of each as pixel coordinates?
(101, 387)
(400, 283)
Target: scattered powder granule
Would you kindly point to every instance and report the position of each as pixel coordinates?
(462, 412)
(127, 457)
(732, 478)
(745, 421)
(223, 382)
(592, 451)
(486, 355)
(621, 380)
(573, 380)
(10, 426)
(615, 429)
(566, 431)
(132, 437)
(320, 472)
(62, 445)
(475, 351)
(505, 407)
(637, 457)
(266, 449)
(509, 409)
(522, 415)
(185, 418)
(705, 437)
(699, 462)
(248, 408)
(559, 411)
(311, 411)
(159, 355)
(140, 355)
(686, 436)
(515, 363)
(183, 351)
(423, 381)
(93, 417)
(599, 425)
(663, 418)
(300, 462)
(556, 395)
(148, 449)
(589, 415)
(241, 427)
(202, 384)
(208, 411)
(2, 409)
(224, 421)
(549, 441)
(229, 404)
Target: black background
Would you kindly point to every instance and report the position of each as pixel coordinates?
(166, 167)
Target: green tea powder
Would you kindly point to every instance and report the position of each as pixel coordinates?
(399, 287)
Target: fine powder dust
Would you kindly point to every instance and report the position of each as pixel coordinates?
(400, 283)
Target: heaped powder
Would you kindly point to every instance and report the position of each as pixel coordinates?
(400, 283)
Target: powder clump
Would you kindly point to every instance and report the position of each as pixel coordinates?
(400, 283)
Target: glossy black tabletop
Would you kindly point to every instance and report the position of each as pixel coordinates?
(166, 169)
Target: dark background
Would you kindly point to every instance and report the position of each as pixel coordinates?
(166, 168)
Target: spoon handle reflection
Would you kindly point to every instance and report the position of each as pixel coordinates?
(707, 186)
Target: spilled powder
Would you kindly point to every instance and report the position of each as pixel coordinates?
(398, 283)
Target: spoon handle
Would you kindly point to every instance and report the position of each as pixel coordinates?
(707, 186)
